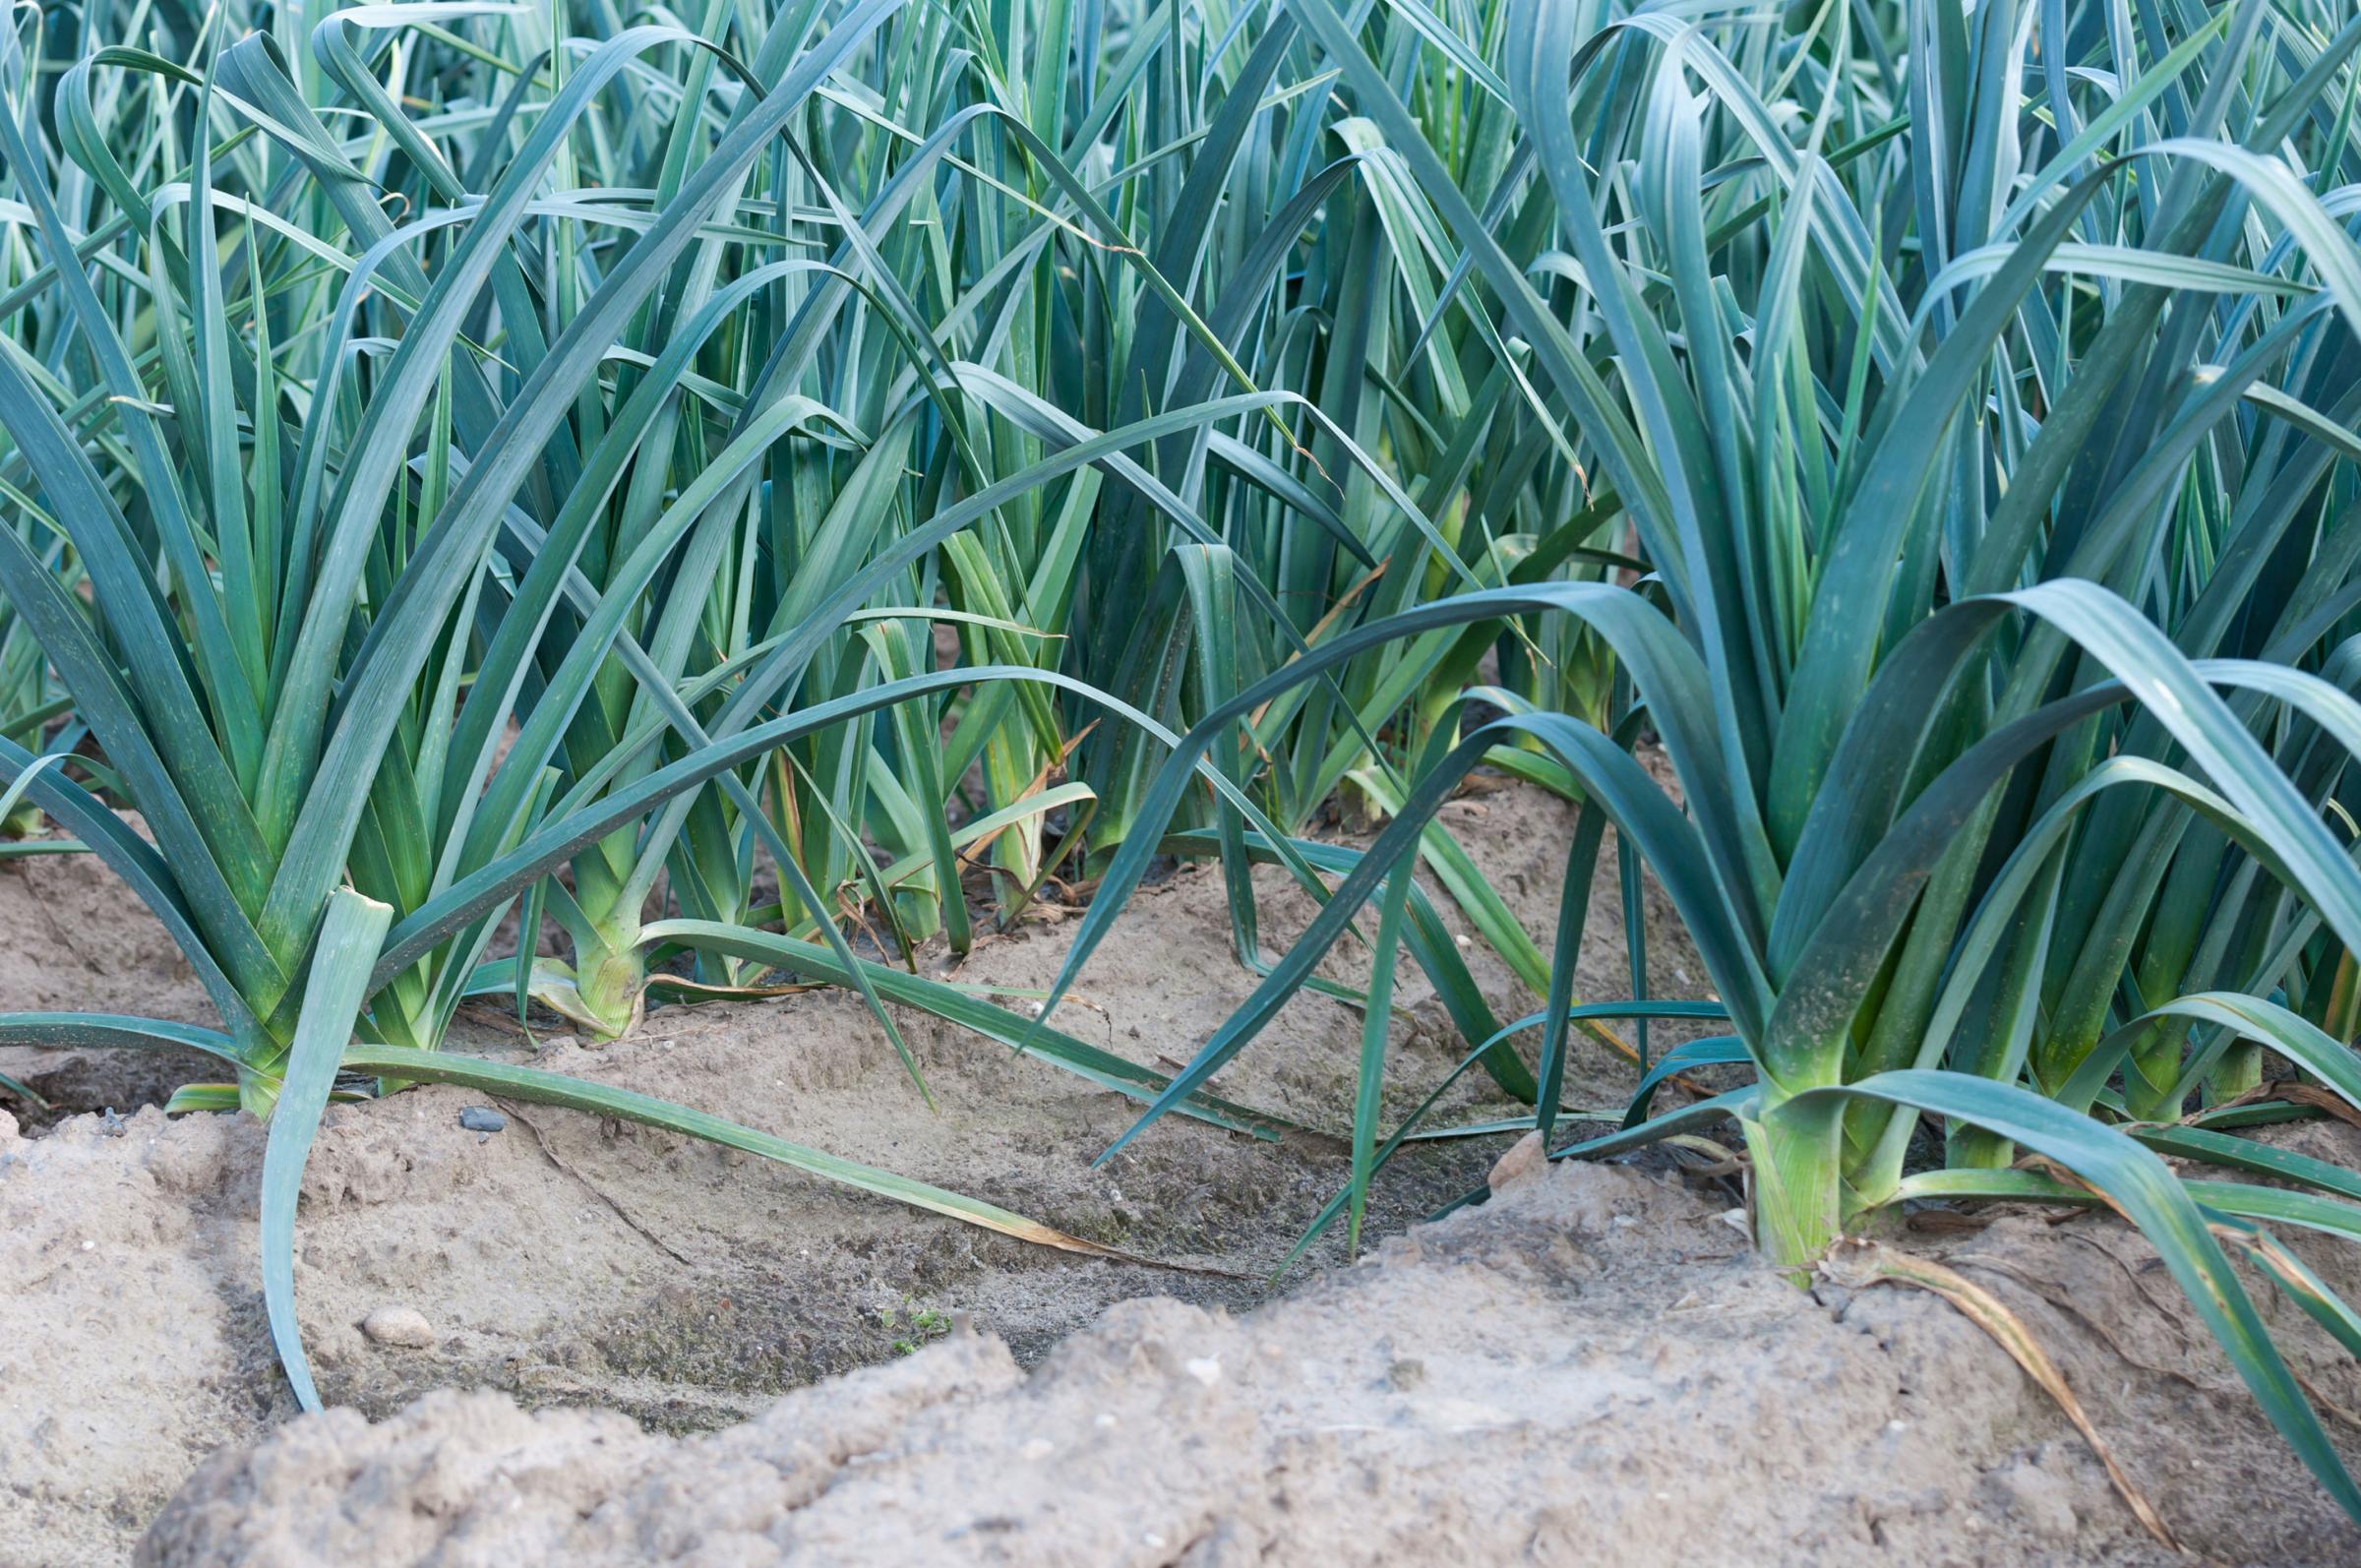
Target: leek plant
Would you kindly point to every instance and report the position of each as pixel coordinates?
(36, 715)
(936, 301)
(329, 491)
(466, 457)
(1977, 388)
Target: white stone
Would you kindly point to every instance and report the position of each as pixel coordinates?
(399, 1325)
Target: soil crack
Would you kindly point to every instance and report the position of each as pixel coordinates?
(591, 1187)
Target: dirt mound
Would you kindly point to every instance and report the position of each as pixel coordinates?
(1590, 1368)
(567, 1261)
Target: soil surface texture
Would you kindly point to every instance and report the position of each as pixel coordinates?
(675, 1353)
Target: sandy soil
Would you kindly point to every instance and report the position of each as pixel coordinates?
(568, 1261)
(72, 939)
(1588, 1369)
(1591, 1360)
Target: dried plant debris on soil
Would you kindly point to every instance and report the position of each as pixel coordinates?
(569, 1261)
(1589, 1369)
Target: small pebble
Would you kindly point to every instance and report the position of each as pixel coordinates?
(475, 1118)
(1205, 1369)
(1523, 1160)
(398, 1325)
